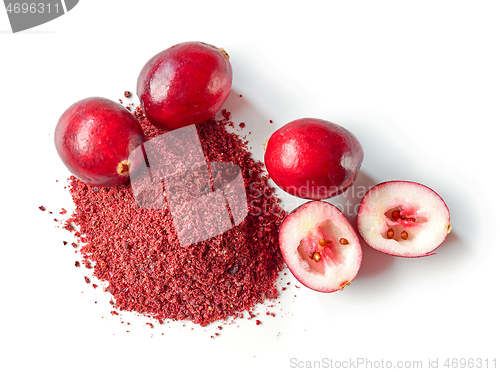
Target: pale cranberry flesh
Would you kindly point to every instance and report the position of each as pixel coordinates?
(320, 247)
(403, 218)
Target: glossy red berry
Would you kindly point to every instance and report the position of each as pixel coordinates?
(184, 84)
(94, 138)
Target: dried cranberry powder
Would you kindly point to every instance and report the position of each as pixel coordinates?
(137, 251)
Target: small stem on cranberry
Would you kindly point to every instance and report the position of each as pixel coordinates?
(224, 52)
(123, 167)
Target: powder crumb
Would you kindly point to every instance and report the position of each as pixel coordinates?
(226, 114)
(127, 94)
(77, 264)
(258, 322)
(87, 280)
(42, 208)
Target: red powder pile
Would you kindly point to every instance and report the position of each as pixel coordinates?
(136, 251)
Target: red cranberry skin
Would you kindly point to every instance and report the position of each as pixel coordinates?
(313, 158)
(184, 84)
(94, 138)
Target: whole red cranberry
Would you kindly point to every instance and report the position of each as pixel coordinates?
(313, 158)
(185, 84)
(94, 138)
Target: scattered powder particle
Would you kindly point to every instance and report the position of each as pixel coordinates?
(87, 280)
(77, 264)
(42, 208)
(127, 94)
(226, 114)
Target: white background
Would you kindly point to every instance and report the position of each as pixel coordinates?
(417, 82)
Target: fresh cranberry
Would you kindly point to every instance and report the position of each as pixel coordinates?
(320, 247)
(313, 158)
(185, 84)
(94, 138)
(403, 218)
